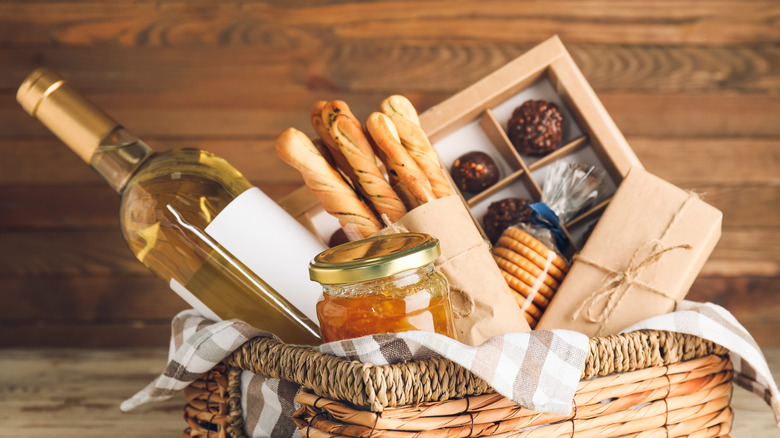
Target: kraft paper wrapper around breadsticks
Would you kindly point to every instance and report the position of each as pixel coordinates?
(482, 301)
(669, 233)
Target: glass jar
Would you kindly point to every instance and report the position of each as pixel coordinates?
(383, 284)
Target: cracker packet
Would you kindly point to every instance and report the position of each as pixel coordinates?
(530, 254)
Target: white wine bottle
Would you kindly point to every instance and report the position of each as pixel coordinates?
(186, 212)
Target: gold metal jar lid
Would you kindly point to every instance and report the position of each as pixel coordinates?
(373, 258)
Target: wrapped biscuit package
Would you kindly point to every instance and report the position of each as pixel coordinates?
(529, 253)
(533, 271)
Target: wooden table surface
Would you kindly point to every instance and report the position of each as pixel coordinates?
(77, 392)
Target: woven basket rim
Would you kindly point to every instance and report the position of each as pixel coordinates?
(376, 387)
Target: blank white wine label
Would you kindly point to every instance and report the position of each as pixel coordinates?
(271, 243)
(193, 301)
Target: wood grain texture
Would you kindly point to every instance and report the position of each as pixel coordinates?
(694, 86)
(76, 393)
(88, 300)
(132, 334)
(153, 23)
(390, 66)
(642, 115)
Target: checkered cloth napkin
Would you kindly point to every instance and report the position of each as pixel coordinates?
(539, 369)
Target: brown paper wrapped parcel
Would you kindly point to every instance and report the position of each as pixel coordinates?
(482, 302)
(639, 262)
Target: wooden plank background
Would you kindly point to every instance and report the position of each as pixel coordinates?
(694, 86)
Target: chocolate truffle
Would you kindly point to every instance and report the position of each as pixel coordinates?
(474, 171)
(535, 127)
(503, 214)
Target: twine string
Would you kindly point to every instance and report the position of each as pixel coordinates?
(394, 227)
(619, 282)
(442, 260)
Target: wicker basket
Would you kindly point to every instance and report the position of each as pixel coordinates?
(651, 384)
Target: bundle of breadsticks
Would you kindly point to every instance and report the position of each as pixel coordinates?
(385, 178)
(366, 177)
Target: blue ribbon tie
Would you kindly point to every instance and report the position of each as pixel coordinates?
(546, 218)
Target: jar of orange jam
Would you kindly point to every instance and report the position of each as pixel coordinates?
(383, 284)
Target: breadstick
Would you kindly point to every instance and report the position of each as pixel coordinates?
(324, 151)
(414, 139)
(335, 195)
(319, 125)
(392, 177)
(328, 113)
(355, 146)
(410, 202)
(335, 108)
(382, 130)
(338, 161)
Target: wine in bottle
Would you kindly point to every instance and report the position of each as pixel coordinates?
(186, 212)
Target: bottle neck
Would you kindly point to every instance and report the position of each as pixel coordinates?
(91, 133)
(117, 157)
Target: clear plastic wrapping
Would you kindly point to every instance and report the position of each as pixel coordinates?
(529, 254)
(571, 187)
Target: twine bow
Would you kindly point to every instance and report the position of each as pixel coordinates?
(616, 286)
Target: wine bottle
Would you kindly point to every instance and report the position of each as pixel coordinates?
(184, 212)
